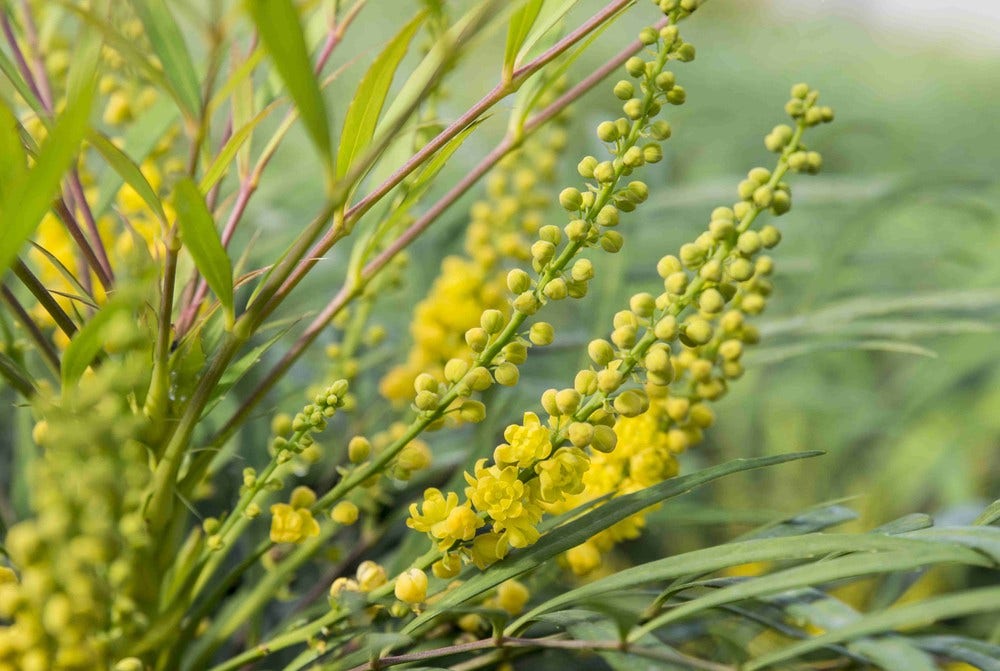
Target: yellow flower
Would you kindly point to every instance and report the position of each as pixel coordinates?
(562, 474)
(345, 513)
(584, 558)
(434, 510)
(512, 504)
(411, 586)
(370, 576)
(292, 525)
(487, 549)
(526, 443)
(512, 596)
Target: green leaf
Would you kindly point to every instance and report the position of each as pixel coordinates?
(202, 240)
(13, 160)
(366, 105)
(585, 527)
(29, 198)
(217, 170)
(129, 172)
(980, 654)
(816, 574)
(14, 77)
(990, 515)
(549, 17)
(920, 613)
(89, 341)
(278, 24)
(141, 137)
(720, 557)
(517, 32)
(894, 653)
(168, 43)
(985, 539)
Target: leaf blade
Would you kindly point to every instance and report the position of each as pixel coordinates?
(369, 98)
(281, 33)
(202, 240)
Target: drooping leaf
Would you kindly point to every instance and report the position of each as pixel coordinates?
(168, 43)
(202, 241)
(366, 105)
(280, 31)
(129, 172)
(27, 200)
(894, 652)
(981, 600)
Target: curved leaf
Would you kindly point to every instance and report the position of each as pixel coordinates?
(202, 240)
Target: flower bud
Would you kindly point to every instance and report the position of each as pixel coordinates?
(698, 331)
(541, 333)
(455, 370)
(515, 352)
(601, 352)
(570, 199)
(345, 513)
(358, 449)
(643, 304)
(555, 289)
(635, 66)
(611, 241)
(740, 269)
(527, 303)
(476, 338)
(648, 35)
(631, 403)
(518, 281)
(604, 439)
(607, 131)
(479, 379)
(411, 586)
(426, 400)
(609, 380)
(711, 301)
(549, 404)
(666, 328)
(586, 167)
(748, 243)
(624, 90)
(492, 321)
(472, 411)
(506, 374)
(585, 382)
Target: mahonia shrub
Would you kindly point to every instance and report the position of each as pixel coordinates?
(160, 526)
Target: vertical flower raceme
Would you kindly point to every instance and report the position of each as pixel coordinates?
(499, 233)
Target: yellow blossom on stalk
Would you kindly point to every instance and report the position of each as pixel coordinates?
(291, 524)
(444, 519)
(526, 443)
(411, 586)
(511, 504)
(563, 474)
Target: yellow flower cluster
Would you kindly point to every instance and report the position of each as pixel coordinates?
(79, 593)
(499, 231)
(293, 522)
(684, 344)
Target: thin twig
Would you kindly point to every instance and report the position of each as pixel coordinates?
(45, 348)
(348, 293)
(22, 64)
(41, 77)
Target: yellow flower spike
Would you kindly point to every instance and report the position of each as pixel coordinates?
(411, 586)
(291, 525)
(434, 510)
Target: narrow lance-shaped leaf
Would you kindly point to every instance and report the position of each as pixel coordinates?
(29, 197)
(366, 106)
(982, 600)
(281, 33)
(517, 32)
(168, 43)
(202, 240)
(129, 172)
